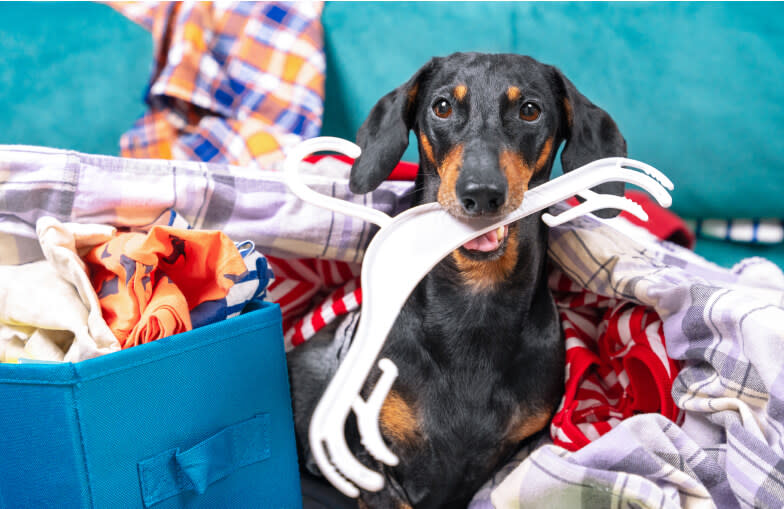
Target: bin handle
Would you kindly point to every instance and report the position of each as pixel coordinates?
(173, 472)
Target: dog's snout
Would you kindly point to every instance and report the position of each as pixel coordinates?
(479, 199)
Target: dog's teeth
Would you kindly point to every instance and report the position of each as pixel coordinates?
(499, 233)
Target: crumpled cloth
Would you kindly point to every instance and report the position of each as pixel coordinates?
(232, 82)
(245, 203)
(159, 284)
(647, 461)
(725, 329)
(616, 363)
(48, 309)
(722, 326)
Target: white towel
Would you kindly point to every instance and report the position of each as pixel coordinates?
(49, 310)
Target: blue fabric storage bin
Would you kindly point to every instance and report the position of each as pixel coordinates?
(201, 419)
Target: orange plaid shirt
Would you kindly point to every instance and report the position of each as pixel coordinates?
(232, 84)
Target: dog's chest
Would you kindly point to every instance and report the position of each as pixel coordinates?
(485, 384)
(475, 400)
(454, 430)
(475, 378)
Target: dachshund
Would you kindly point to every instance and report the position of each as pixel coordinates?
(478, 345)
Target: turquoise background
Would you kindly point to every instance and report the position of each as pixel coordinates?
(72, 75)
(696, 88)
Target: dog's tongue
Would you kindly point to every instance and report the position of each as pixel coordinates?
(490, 241)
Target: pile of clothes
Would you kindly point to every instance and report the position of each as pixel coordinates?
(723, 330)
(98, 290)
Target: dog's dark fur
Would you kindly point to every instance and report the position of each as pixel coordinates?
(478, 344)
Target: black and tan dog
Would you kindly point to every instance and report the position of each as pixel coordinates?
(478, 344)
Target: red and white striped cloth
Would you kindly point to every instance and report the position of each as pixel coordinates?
(311, 293)
(616, 364)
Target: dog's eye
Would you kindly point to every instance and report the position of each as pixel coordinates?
(530, 112)
(442, 108)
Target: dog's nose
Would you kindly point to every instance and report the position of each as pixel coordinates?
(482, 198)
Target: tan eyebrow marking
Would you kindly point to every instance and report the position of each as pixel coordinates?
(545, 155)
(427, 147)
(460, 92)
(513, 93)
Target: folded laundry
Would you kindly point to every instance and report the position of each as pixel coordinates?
(166, 281)
(48, 309)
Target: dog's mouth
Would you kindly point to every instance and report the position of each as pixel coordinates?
(489, 244)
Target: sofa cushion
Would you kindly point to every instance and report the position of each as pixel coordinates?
(73, 75)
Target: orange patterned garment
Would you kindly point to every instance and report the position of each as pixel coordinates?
(148, 284)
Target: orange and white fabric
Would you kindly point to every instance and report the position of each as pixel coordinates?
(149, 284)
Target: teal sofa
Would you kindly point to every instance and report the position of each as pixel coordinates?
(695, 87)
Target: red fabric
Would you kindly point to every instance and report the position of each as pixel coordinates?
(311, 293)
(616, 364)
(661, 222)
(403, 171)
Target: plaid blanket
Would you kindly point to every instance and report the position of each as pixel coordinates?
(724, 327)
(245, 203)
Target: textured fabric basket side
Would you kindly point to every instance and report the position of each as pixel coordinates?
(200, 419)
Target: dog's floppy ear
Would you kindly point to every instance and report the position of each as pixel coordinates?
(383, 137)
(590, 134)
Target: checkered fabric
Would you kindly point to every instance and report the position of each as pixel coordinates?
(232, 83)
(239, 83)
(724, 329)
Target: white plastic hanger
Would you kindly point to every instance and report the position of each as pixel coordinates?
(390, 272)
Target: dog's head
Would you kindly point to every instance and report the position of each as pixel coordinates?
(488, 128)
